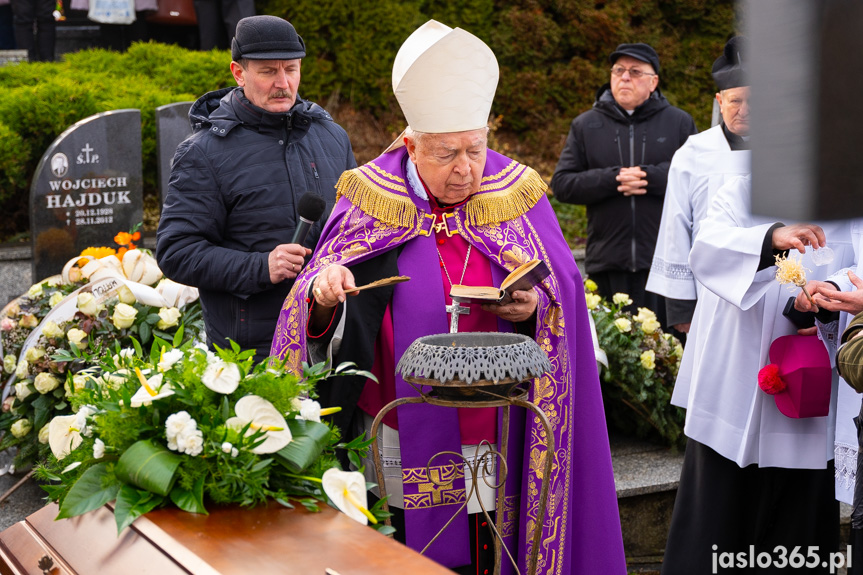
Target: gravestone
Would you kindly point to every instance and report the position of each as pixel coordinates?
(87, 187)
(172, 127)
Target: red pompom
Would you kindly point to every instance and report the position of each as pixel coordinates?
(769, 379)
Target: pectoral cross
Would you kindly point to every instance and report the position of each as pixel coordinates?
(455, 310)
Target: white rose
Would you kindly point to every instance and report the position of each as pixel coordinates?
(51, 330)
(34, 354)
(9, 363)
(649, 326)
(87, 304)
(125, 295)
(46, 382)
(55, 298)
(124, 316)
(22, 390)
(168, 317)
(43, 433)
(23, 369)
(98, 449)
(35, 290)
(28, 320)
(623, 324)
(54, 281)
(21, 428)
(77, 337)
(621, 299)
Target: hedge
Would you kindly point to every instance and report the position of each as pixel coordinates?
(552, 55)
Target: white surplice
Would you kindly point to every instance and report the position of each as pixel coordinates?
(738, 316)
(698, 169)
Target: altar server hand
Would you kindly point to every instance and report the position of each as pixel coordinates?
(632, 182)
(835, 300)
(522, 306)
(814, 287)
(286, 261)
(682, 327)
(798, 236)
(330, 285)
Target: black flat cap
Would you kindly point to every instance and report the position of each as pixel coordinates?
(729, 70)
(266, 38)
(638, 51)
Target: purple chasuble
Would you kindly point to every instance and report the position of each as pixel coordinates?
(510, 222)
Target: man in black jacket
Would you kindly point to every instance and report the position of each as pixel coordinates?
(615, 162)
(231, 209)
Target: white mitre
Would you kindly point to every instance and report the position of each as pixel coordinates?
(444, 80)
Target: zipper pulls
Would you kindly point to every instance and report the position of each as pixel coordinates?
(315, 170)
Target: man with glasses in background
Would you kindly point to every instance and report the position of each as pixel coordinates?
(615, 162)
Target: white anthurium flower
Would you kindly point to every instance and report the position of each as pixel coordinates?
(221, 376)
(263, 416)
(151, 389)
(347, 491)
(141, 267)
(63, 435)
(169, 358)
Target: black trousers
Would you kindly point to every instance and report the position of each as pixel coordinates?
(722, 508)
(217, 20)
(35, 28)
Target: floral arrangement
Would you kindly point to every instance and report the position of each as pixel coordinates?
(187, 427)
(641, 366)
(22, 315)
(48, 364)
(48, 372)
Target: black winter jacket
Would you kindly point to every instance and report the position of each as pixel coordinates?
(621, 231)
(232, 198)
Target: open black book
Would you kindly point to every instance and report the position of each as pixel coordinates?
(522, 278)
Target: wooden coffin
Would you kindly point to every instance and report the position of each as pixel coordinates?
(228, 541)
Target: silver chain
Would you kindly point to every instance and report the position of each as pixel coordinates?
(443, 264)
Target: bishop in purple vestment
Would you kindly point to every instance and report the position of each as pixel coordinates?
(395, 216)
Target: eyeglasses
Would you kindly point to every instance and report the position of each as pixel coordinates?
(634, 73)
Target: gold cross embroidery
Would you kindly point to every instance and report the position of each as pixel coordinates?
(435, 487)
(442, 225)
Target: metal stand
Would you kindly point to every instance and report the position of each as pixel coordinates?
(516, 396)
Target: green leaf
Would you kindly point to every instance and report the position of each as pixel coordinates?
(132, 503)
(144, 331)
(153, 318)
(138, 351)
(309, 440)
(191, 501)
(88, 493)
(178, 337)
(149, 466)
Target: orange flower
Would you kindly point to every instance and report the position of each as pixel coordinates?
(123, 238)
(136, 236)
(122, 251)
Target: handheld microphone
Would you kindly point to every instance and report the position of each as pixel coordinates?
(310, 209)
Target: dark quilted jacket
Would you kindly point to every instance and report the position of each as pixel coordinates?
(232, 198)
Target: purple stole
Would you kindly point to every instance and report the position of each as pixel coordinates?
(509, 221)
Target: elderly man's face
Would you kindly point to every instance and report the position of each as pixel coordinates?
(734, 107)
(269, 84)
(631, 92)
(451, 164)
